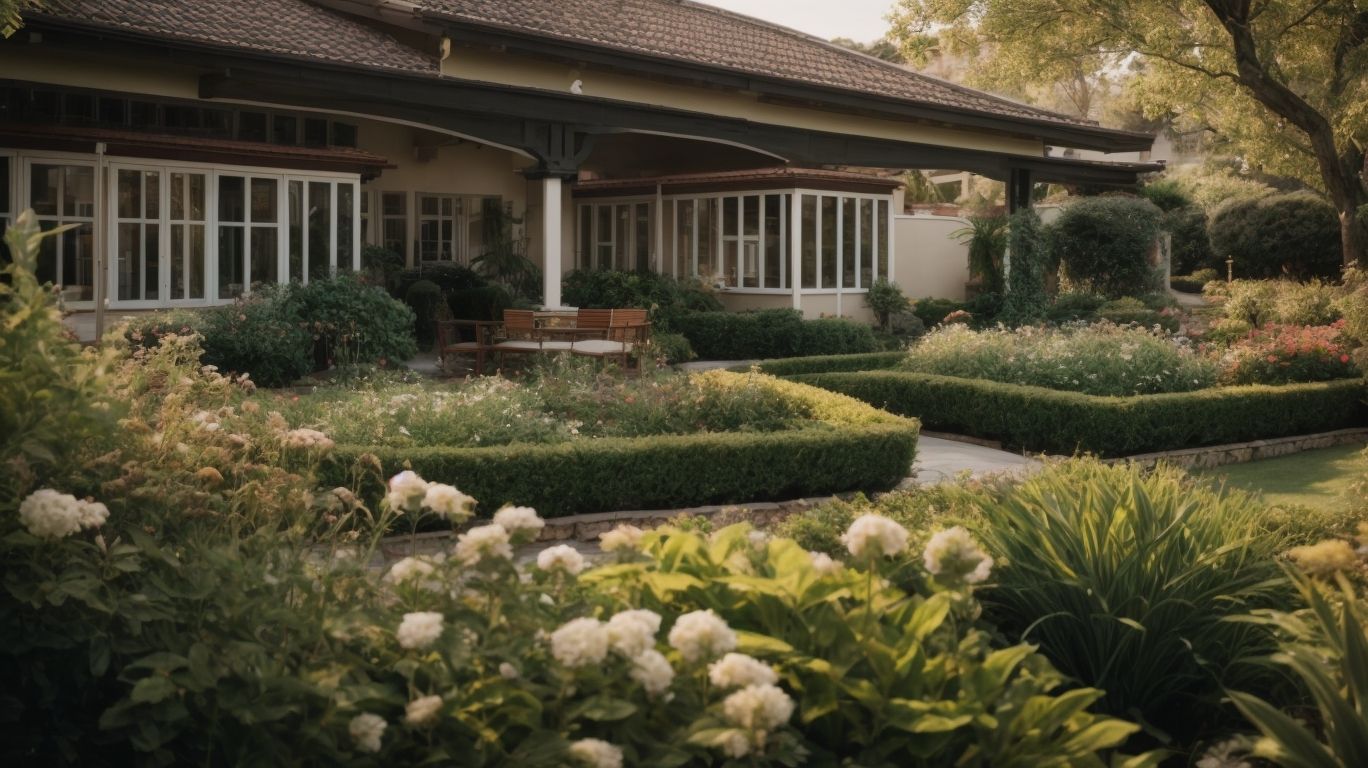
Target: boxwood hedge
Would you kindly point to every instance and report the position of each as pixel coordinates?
(1051, 421)
(792, 366)
(847, 446)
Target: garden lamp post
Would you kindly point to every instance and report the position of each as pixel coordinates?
(1230, 269)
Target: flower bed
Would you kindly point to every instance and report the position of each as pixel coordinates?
(823, 443)
(1039, 419)
(1280, 354)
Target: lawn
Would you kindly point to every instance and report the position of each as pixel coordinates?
(1319, 478)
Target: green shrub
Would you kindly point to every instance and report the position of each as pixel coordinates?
(1073, 306)
(922, 511)
(1098, 360)
(1166, 194)
(483, 303)
(1259, 302)
(672, 347)
(827, 363)
(1129, 310)
(1195, 282)
(666, 297)
(448, 277)
(351, 321)
(1104, 244)
(382, 266)
(987, 238)
(771, 333)
(424, 297)
(1189, 244)
(1294, 234)
(886, 299)
(1127, 580)
(1039, 419)
(1029, 261)
(932, 311)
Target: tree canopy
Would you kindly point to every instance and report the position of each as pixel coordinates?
(1284, 82)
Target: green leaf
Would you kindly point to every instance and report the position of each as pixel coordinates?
(151, 690)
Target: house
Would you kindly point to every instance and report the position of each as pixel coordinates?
(203, 147)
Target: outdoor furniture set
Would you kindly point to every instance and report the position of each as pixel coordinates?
(609, 334)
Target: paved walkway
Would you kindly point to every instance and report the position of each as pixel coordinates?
(940, 460)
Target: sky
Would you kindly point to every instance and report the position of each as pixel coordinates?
(861, 20)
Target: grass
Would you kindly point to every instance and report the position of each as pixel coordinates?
(1319, 478)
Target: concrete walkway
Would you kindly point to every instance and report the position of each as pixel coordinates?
(940, 460)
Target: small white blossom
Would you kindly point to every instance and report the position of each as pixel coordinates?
(623, 537)
(485, 541)
(824, 564)
(508, 671)
(518, 519)
(632, 633)
(737, 670)
(701, 635)
(50, 514)
(448, 503)
(366, 730)
(419, 630)
(1226, 754)
(596, 753)
(953, 554)
(758, 708)
(306, 439)
(408, 569)
(93, 513)
(653, 671)
(561, 557)
(406, 492)
(874, 536)
(422, 711)
(735, 744)
(580, 642)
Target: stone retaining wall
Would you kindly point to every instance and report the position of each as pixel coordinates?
(1238, 453)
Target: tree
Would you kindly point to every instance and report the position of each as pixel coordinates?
(1284, 81)
(879, 49)
(10, 22)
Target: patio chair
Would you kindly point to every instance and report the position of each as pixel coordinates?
(520, 335)
(450, 343)
(628, 329)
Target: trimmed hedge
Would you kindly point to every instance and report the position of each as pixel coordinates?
(771, 333)
(852, 447)
(1038, 419)
(792, 366)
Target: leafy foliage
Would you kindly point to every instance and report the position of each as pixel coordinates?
(1103, 244)
(771, 333)
(1126, 581)
(352, 322)
(1295, 234)
(1281, 354)
(665, 297)
(1040, 419)
(1190, 246)
(987, 240)
(1030, 260)
(886, 299)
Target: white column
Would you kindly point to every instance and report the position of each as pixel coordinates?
(795, 222)
(551, 242)
(658, 258)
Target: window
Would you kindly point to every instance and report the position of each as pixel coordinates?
(138, 235)
(452, 227)
(844, 241)
(6, 215)
(64, 193)
(394, 222)
(366, 227)
(616, 236)
(248, 233)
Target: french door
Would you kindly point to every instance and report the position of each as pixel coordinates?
(160, 219)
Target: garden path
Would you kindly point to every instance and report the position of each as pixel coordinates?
(940, 460)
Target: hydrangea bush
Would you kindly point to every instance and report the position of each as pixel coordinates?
(1284, 354)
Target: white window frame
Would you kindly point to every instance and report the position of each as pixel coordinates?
(23, 197)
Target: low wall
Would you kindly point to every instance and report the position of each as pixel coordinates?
(1256, 450)
(928, 260)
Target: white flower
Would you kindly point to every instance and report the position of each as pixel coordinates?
(758, 707)
(580, 642)
(596, 753)
(483, 541)
(561, 557)
(518, 519)
(419, 630)
(953, 554)
(737, 670)
(701, 635)
(1224, 755)
(875, 536)
(50, 514)
(824, 564)
(366, 730)
(93, 513)
(407, 569)
(735, 744)
(632, 633)
(508, 671)
(448, 503)
(306, 439)
(653, 671)
(406, 492)
(625, 537)
(422, 711)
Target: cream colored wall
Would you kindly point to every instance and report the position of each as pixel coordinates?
(929, 261)
(511, 69)
(25, 61)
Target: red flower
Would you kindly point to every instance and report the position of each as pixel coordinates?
(1344, 358)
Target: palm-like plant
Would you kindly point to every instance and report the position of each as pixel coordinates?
(504, 258)
(986, 237)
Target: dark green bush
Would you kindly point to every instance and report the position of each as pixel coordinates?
(931, 311)
(1029, 261)
(1038, 419)
(1195, 282)
(256, 335)
(771, 333)
(871, 361)
(1132, 310)
(1190, 246)
(666, 297)
(424, 297)
(484, 303)
(382, 266)
(448, 277)
(672, 347)
(1104, 244)
(1294, 234)
(1166, 194)
(886, 299)
(1074, 306)
(351, 321)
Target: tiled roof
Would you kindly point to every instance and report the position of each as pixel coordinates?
(692, 32)
(292, 28)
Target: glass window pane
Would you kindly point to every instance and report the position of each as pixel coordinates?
(151, 262)
(346, 215)
(583, 259)
(252, 126)
(178, 261)
(130, 195)
(774, 232)
(830, 211)
(295, 204)
(343, 135)
(195, 261)
(113, 112)
(866, 243)
(78, 264)
(198, 182)
(809, 237)
(78, 191)
(230, 253)
(392, 203)
(320, 229)
(684, 237)
(43, 183)
(709, 223)
(5, 187)
(729, 270)
(644, 236)
(882, 226)
(284, 129)
(152, 195)
(849, 228)
(264, 201)
(623, 239)
(428, 205)
(231, 200)
(315, 132)
(264, 261)
(751, 216)
(750, 264)
(130, 248)
(177, 195)
(729, 218)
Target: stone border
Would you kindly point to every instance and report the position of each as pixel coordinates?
(1256, 450)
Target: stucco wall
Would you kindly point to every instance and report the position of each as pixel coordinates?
(929, 260)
